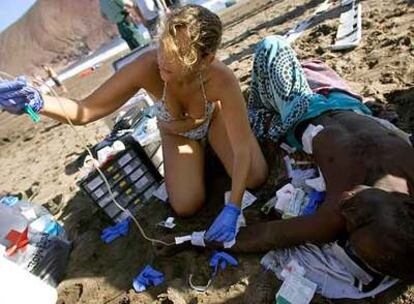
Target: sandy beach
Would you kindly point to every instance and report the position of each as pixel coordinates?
(41, 160)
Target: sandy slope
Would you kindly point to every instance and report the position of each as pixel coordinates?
(53, 31)
(381, 69)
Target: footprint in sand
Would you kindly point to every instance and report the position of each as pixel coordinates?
(262, 288)
(71, 294)
(387, 78)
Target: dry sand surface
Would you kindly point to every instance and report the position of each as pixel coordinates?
(42, 158)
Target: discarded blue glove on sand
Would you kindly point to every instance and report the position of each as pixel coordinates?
(111, 233)
(148, 277)
(222, 259)
(16, 94)
(224, 226)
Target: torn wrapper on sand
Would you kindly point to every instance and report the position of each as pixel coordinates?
(335, 273)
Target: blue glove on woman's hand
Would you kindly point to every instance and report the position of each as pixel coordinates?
(15, 94)
(225, 225)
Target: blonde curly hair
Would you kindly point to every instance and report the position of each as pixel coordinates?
(189, 33)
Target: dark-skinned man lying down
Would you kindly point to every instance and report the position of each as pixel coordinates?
(368, 167)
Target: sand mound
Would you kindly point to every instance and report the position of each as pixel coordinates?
(53, 31)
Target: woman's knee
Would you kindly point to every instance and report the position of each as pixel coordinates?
(258, 179)
(187, 205)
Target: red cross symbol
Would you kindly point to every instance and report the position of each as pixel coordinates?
(18, 240)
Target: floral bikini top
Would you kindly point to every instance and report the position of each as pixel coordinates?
(197, 133)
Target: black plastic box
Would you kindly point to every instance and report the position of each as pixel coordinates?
(133, 177)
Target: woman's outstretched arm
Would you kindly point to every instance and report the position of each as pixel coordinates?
(104, 100)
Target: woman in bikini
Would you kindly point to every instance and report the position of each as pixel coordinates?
(199, 98)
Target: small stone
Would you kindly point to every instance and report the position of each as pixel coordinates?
(387, 42)
(366, 24)
(397, 12)
(372, 62)
(387, 78)
(405, 41)
(320, 50)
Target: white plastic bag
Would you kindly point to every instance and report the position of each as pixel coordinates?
(33, 239)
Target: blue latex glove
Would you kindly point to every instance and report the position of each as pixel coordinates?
(224, 226)
(315, 199)
(112, 233)
(16, 94)
(222, 259)
(148, 277)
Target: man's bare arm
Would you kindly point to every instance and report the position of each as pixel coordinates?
(322, 227)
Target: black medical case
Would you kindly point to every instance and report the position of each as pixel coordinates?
(133, 175)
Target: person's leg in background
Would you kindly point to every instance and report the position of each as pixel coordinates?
(127, 33)
(279, 92)
(131, 33)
